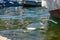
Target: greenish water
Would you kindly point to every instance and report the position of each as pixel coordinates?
(14, 22)
(53, 32)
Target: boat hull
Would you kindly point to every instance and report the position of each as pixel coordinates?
(32, 4)
(55, 13)
(28, 5)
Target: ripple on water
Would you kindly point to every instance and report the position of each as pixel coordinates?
(22, 17)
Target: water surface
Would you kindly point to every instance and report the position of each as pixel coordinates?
(14, 22)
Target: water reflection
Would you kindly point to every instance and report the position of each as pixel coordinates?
(14, 22)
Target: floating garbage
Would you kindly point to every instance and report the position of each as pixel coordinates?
(35, 26)
(31, 28)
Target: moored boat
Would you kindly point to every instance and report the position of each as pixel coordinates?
(54, 8)
(6, 3)
(31, 3)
